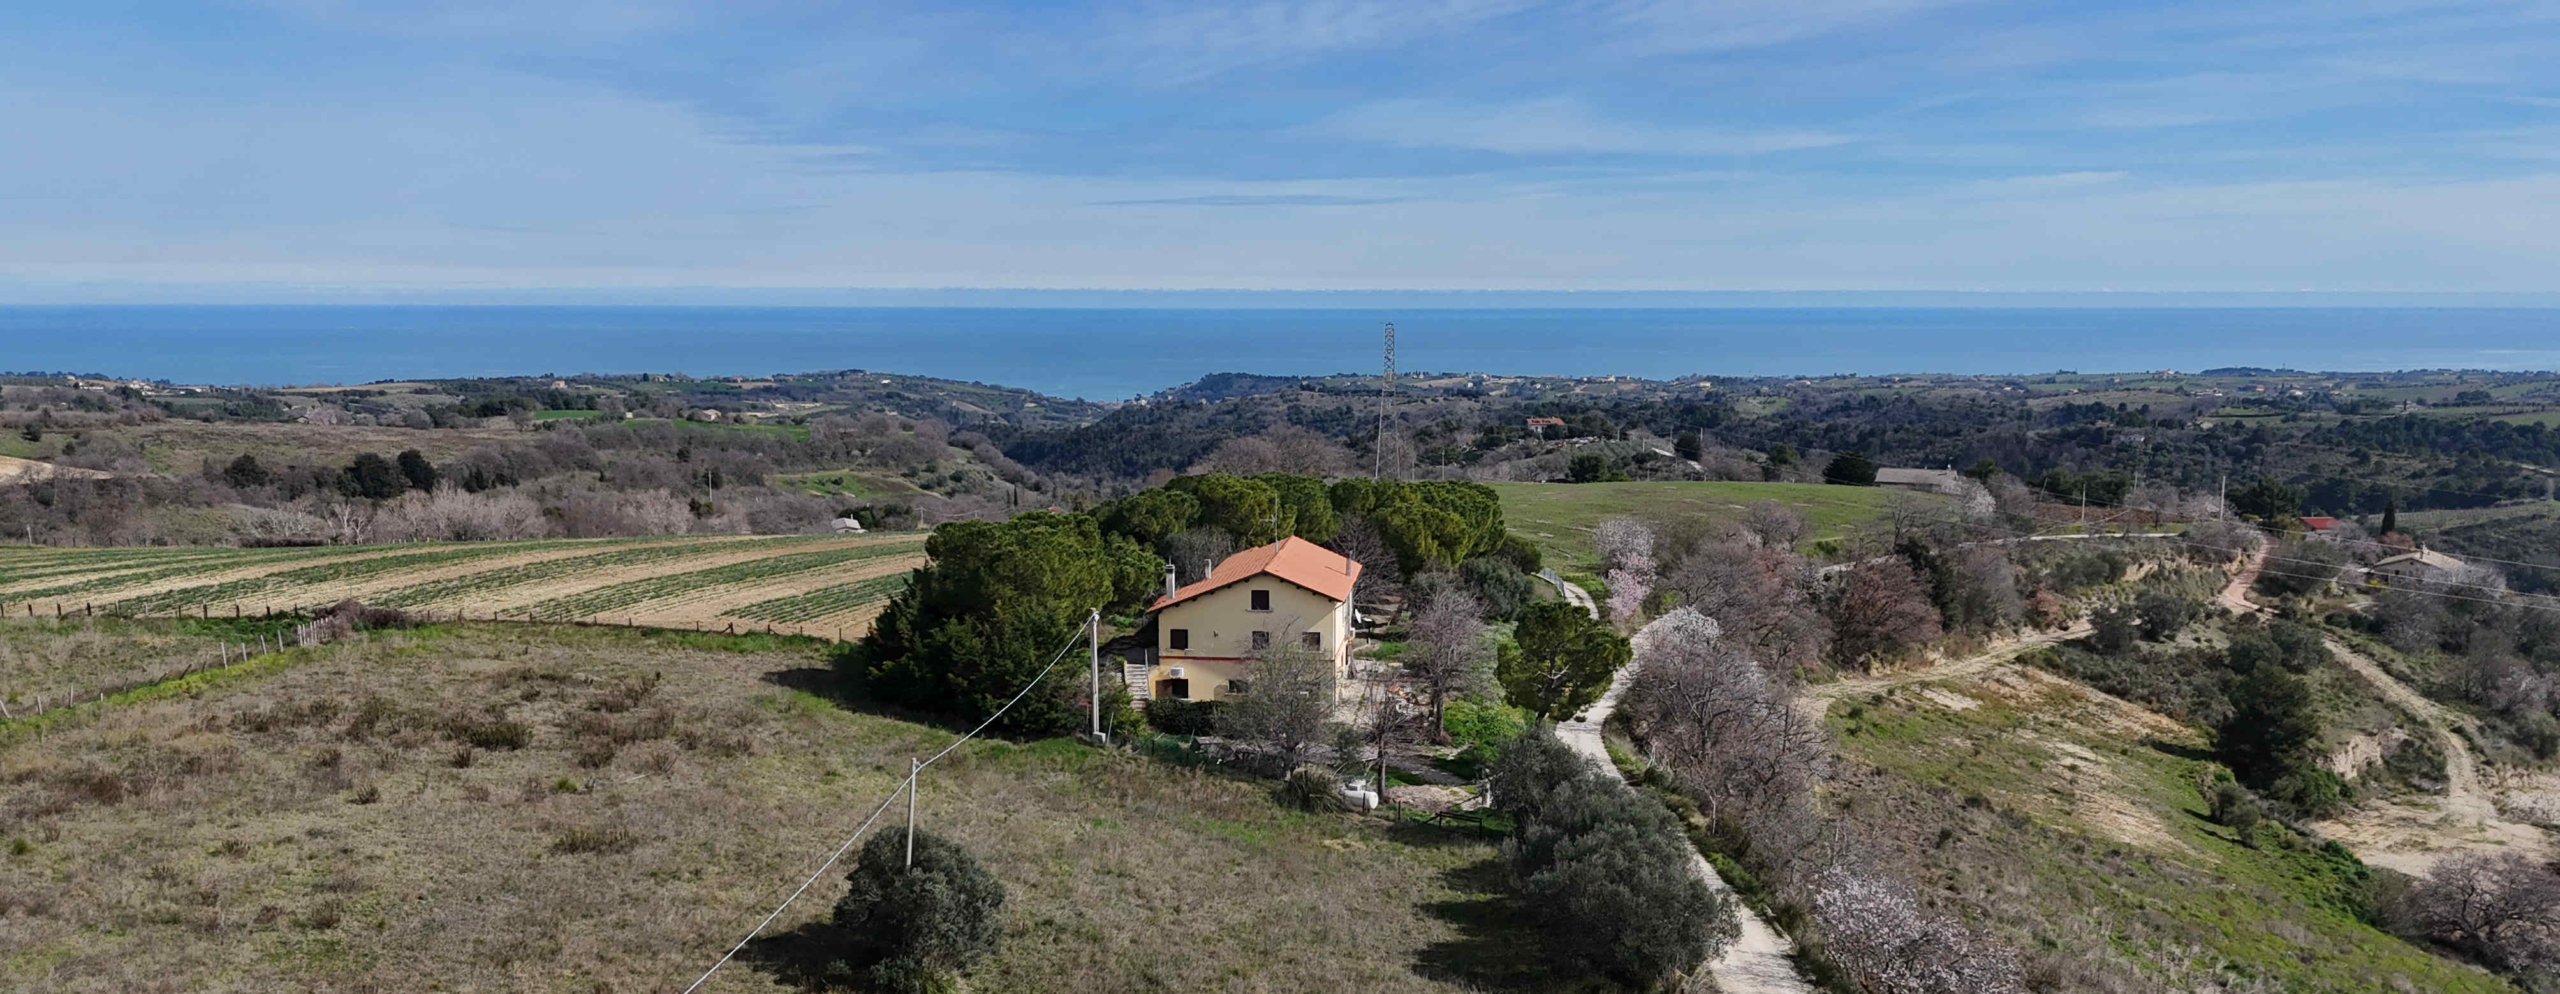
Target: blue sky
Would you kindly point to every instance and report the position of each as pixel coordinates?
(318, 147)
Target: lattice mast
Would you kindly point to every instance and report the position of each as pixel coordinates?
(1386, 387)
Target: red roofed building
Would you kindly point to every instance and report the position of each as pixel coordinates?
(2319, 526)
(1209, 633)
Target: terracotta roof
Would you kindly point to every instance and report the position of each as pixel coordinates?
(2319, 523)
(1293, 559)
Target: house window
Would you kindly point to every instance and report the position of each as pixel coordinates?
(1235, 686)
(1177, 638)
(1179, 690)
(1262, 600)
(1262, 640)
(1312, 640)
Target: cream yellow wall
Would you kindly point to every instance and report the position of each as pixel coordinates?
(1222, 623)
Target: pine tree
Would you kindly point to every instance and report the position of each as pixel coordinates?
(2391, 515)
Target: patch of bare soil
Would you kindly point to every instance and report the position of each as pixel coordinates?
(16, 470)
(2411, 834)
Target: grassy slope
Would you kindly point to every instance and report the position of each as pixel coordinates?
(1559, 517)
(2048, 813)
(253, 835)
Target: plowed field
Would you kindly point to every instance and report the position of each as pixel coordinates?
(827, 585)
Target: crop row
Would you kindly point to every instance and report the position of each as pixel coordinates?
(622, 595)
(825, 602)
(118, 581)
(24, 564)
(492, 581)
(13, 572)
(329, 572)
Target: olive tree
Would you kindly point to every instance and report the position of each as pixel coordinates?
(916, 926)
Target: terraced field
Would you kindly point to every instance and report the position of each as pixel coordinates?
(815, 585)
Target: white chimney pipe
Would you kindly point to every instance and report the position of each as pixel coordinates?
(1170, 584)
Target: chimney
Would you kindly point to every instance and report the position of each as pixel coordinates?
(1169, 583)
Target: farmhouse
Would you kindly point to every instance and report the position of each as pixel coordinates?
(1935, 481)
(2424, 564)
(1207, 633)
(2320, 527)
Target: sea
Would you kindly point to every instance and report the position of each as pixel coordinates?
(1111, 353)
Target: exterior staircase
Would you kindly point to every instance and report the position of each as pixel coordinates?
(1139, 688)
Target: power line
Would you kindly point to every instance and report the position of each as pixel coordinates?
(2521, 601)
(905, 786)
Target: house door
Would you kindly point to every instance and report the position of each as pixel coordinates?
(1179, 690)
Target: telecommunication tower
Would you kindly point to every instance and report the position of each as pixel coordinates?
(1386, 386)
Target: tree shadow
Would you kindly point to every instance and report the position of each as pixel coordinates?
(847, 694)
(806, 958)
(2182, 751)
(1498, 947)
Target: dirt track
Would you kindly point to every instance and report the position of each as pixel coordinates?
(2410, 835)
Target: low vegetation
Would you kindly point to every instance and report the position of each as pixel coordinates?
(529, 808)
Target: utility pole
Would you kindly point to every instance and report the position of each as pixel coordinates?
(2222, 508)
(915, 774)
(1093, 646)
(2084, 508)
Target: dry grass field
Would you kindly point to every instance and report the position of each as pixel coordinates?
(543, 808)
(815, 585)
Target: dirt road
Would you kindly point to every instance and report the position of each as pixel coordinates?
(1816, 700)
(1758, 961)
(2410, 835)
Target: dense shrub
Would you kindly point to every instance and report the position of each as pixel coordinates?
(916, 927)
(1498, 585)
(2163, 614)
(1180, 717)
(1470, 723)
(1605, 870)
(2233, 807)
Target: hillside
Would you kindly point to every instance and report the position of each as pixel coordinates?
(2070, 820)
(577, 810)
(1559, 517)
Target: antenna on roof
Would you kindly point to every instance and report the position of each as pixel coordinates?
(1386, 386)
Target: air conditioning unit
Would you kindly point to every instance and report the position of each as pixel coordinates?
(1174, 672)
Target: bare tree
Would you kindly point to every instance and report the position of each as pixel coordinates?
(1877, 929)
(1362, 542)
(1763, 596)
(1721, 722)
(2503, 908)
(1774, 524)
(1880, 611)
(1194, 553)
(1285, 703)
(1445, 648)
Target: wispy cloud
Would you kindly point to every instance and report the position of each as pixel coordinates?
(1554, 126)
(1254, 200)
(1725, 25)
